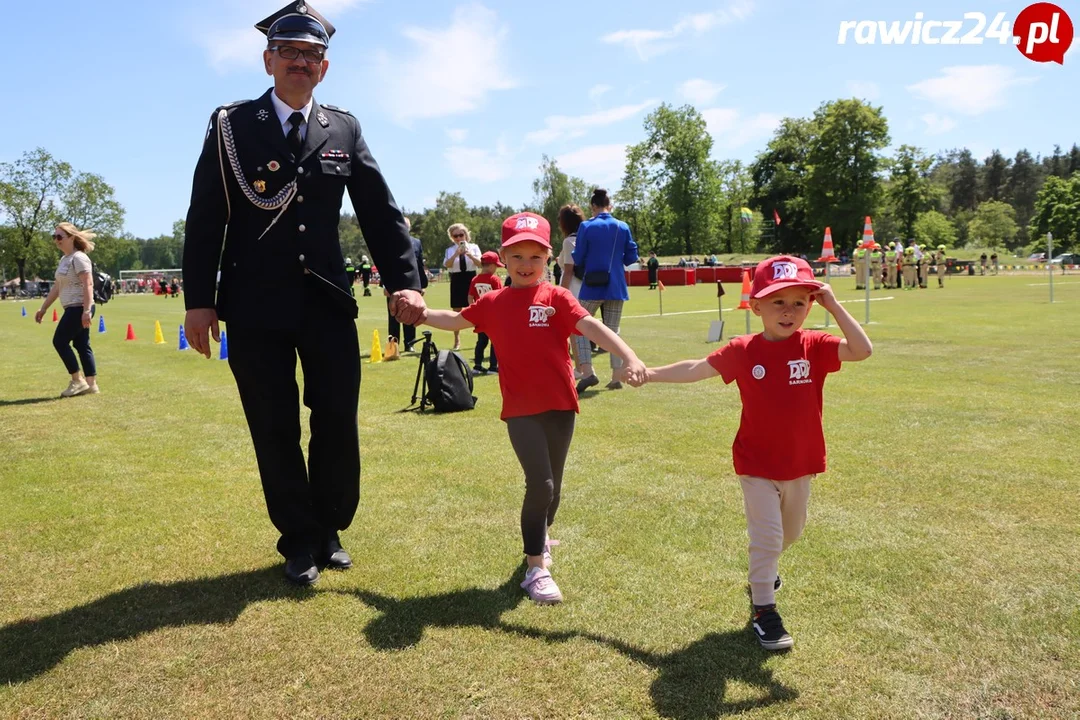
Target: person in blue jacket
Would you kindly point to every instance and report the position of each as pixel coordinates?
(604, 247)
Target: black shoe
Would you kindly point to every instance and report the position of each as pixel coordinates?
(338, 560)
(478, 370)
(494, 369)
(587, 382)
(301, 570)
(778, 584)
(769, 629)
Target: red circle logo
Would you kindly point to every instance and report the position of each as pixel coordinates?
(1043, 32)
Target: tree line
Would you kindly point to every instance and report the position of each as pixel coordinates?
(827, 170)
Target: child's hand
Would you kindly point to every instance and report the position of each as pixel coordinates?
(824, 295)
(635, 373)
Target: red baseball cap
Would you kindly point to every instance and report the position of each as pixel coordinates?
(526, 226)
(782, 271)
(490, 258)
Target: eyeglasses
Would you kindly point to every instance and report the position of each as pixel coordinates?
(288, 52)
(58, 236)
(458, 236)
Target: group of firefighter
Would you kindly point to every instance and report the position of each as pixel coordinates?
(891, 264)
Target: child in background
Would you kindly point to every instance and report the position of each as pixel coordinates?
(530, 321)
(479, 286)
(780, 446)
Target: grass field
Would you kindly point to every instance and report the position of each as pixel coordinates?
(937, 577)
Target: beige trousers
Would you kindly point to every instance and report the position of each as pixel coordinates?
(775, 518)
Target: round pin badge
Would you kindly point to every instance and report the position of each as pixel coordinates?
(549, 311)
(758, 372)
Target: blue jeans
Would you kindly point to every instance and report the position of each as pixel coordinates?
(70, 332)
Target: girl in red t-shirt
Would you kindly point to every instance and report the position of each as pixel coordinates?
(530, 322)
(780, 446)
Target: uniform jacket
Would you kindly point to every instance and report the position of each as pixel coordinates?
(263, 281)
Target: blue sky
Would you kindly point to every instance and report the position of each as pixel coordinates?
(467, 96)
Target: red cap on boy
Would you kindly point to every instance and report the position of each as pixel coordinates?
(491, 258)
(526, 226)
(782, 271)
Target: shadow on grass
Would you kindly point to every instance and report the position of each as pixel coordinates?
(29, 401)
(403, 621)
(29, 648)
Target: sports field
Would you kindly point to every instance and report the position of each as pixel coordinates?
(937, 577)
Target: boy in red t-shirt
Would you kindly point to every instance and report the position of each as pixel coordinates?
(479, 286)
(530, 321)
(780, 446)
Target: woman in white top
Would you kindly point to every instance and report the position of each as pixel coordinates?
(570, 218)
(74, 287)
(461, 260)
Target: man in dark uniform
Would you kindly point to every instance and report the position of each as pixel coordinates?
(350, 274)
(654, 271)
(365, 275)
(394, 328)
(265, 204)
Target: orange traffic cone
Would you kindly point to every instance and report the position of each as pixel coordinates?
(744, 302)
(130, 333)
(868, 235)
(54, 318)
(827, 252)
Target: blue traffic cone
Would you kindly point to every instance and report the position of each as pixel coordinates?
(101, 324)
(224, 347)
(183, 339)
(24, 311)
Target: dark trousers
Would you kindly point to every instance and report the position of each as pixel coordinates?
(70, 332)
(482, 342)
(307, 504)
(653, 274)
(541, 442)
(394, 329)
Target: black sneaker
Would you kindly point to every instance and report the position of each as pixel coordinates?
(769, 629)
(477, 370)
(778, 584)
(586, 383)
(494, 369)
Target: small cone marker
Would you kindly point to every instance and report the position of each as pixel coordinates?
(868, 235)
(183, 340)
(159, 338)
(101, 324)
(54, 318)
(376, 349)
(130, 333)
(24, 311)
(224, 347)
(744, 301)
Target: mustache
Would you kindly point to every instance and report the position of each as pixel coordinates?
(299, 68)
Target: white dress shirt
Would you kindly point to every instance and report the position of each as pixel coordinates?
(473, 250)
(284, 111)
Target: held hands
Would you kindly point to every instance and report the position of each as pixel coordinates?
(824, 295)
(198, 326)
(408, 307)
(633, 373)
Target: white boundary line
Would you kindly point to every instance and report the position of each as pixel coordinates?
(699, 312)
(1046, 284)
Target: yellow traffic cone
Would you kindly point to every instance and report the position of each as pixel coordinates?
(376, 349)
(159, 339)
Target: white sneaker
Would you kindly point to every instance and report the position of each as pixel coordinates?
(75, 387)
(541, 587)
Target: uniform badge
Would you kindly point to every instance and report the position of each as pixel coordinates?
(262, 114)
(273, 166)
(322, 119)
(301, 8)
(259, 185)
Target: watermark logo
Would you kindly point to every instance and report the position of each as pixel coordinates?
(1042, 32)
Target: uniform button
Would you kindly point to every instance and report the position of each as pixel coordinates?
(302, 228)
(300, 171)
(234, 264)
(338, 168)
(299, 198)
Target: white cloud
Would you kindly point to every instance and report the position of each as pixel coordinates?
(731, 129)
(937, 124)
(457, 67)
(557, 127)
(597, 90)
(457, 135)
(481, 164)
(700, 92)
(595, 163)
(864, 90)
(649, 43)
(970, 89)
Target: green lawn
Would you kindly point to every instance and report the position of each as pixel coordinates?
(937, 577)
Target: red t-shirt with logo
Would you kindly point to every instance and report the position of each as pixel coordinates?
(780, 435)
(530, 327)
(482, 284)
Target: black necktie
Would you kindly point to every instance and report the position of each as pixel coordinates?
(293, 138)
(461, 263)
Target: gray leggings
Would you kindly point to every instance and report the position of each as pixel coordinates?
(541, 442)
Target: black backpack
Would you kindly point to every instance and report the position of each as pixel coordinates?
(103, 285)
(447, 379)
